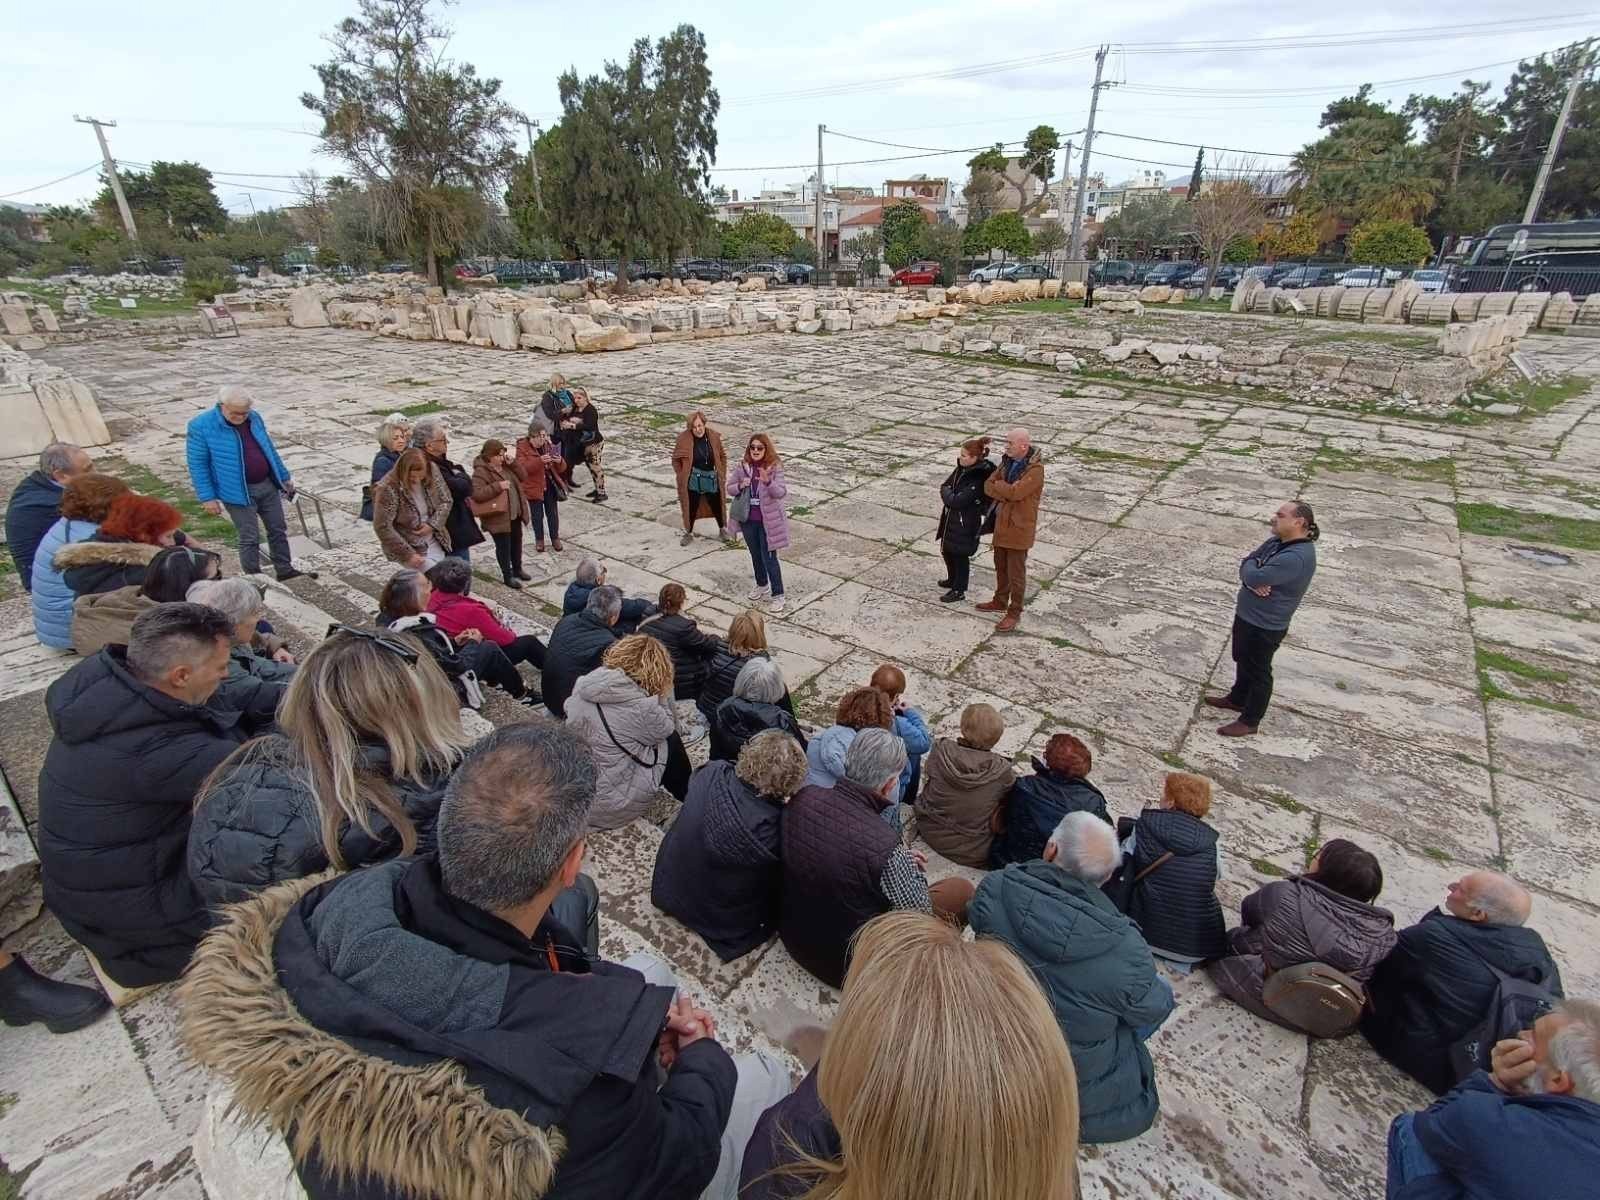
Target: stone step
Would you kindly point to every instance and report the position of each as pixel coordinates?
(20, 899)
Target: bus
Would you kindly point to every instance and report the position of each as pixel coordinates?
(1559, 256)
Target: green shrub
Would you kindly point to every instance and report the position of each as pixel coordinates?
(206, 275)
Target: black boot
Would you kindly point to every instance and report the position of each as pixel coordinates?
(952, 596)
(27, 996)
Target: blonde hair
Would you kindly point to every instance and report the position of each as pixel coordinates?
(1187, 793)
(981, 725)
(557, 381)
(773, 764)
(945, 1073)
(392, 423)
(643, 659)
(747, 634)
(351, 690)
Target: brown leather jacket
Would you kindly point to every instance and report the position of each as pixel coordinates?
(1017, 513)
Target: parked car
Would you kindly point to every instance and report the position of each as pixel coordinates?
(466, 271)
(1227, 278)
(706, 269)
(1278, 272)
(343, 272)
(771, 272)
(520, 271)
(301, 270)
(1114, 271)
(918, 274)
(798, 273)
(644, 270)
(1018, 271)
(1307, 277)
(1369, 277)
(988, 273)
(395, 268)
(1167, 274)
(1431, 280)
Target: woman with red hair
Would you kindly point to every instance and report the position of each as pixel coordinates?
(136, 528)
(1059, 785)
(757, 490)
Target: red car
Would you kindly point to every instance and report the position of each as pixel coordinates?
(466, 271)
(918, 274)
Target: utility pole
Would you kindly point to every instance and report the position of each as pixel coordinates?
(1076, 250)
(533, 163)
(822, 241)
(1579, 69)
(111, 173)
(251, 201)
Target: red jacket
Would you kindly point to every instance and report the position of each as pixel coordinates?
(455, 613)
(535, 465)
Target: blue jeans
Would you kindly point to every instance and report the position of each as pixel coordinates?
(1145, 1032)
(762, 559)
(1408, 1161)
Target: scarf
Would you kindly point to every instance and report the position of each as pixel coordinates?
(1015, 466)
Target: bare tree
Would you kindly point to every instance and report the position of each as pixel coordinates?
(317, 213)
(1231, 204)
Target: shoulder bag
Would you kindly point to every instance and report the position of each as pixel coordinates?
(655, 751)
(1515, 1006)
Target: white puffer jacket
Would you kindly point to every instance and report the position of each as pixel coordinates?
(629, 743)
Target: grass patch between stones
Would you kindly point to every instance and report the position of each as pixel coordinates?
(412, 410)
(1117, 456)
(1493, 660)
(196, 520)
(1537, 396)
(1431, 470)
(1492, 520)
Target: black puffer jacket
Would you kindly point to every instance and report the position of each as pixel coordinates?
(961, 522)
(254, 686)
(103, 564)
(115, 798)
(1035, 807)
(692, 650)
(576, 644)
(1175, 904)
(739, 720)
(260, 825)
(721, 675)
(718, 869)
(461, 525)
(1436, 985)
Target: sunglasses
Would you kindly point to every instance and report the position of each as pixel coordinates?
(391, 644)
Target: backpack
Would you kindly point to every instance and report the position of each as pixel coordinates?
(1315, 998)
(1516, 1005)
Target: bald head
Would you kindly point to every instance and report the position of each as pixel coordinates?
(1017, 443)
(1489, 898)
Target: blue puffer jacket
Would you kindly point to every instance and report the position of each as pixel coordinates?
(52, 598)
(216, 458)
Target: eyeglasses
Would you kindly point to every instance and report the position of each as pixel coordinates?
(392, 645)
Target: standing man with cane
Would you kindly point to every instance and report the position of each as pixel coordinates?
(1273, 579)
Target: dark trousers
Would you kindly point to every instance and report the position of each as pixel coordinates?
(958, 570)
(497, 665)
(508, 550)
(1253, 648)
(1010, 579)
(544, 512)
(265, 508)
(577, 910)
(676, 776)
(763, 561)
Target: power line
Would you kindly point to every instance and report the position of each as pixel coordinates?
(1458, 32)
(1376, 161)
(902, 146)
(971, 71)
(41, 186)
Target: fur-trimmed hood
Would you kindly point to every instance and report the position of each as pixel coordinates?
(423, 1130)
(98, 553)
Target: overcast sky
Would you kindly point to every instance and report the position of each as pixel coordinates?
(220, 83)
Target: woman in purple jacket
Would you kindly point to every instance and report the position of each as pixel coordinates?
(766, 529)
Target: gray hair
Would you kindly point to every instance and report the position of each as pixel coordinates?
(1501, 899)
(390, 423)
(875, 755)
(422, 432)
(1576, 1048)
(605, 602)
(1086, 847)
(588, 571)
(234, 395)
(57, 457)
(172, 635)
(451, 575)
(760, 679)
(236, 598)
(514, 809)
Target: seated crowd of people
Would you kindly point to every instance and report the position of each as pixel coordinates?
(390, 950)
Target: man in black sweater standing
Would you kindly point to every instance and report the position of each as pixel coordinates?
(1272, 580)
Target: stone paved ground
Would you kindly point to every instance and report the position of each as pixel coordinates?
(1438, 698)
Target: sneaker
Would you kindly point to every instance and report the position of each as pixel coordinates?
(291, 573)
(531, 699)
(600, 498)
(592, 493)
(952, 596)
(688, 536)
(759, 593)
(776, 605)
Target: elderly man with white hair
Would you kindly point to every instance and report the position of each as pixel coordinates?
(843, 862)
(233, 465)
(1439, 982)
(1526, 1129)
(1016, 488)
(1094, 966)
